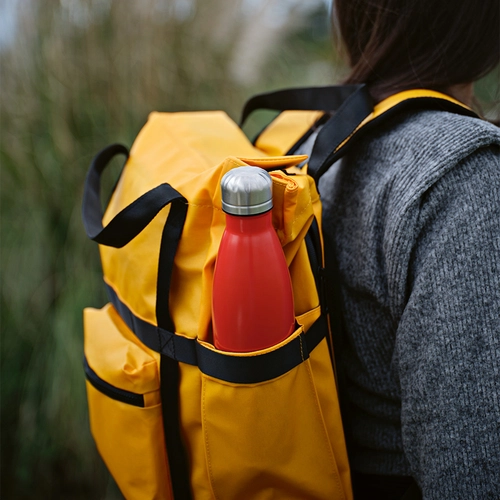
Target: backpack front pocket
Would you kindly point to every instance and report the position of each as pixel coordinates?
(123, 390)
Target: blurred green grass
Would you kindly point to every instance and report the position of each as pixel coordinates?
(72, 82)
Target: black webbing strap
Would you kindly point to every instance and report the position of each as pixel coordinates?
(337, 129)
(235, 369)
(351, 104)
(125, 226)
(178, 461)
(128, 223)
(307, 99)
(326, 150)
(158, 339)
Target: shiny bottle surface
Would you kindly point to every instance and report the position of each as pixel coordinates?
(252, 301)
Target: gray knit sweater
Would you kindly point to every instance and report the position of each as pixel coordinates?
(413, 217)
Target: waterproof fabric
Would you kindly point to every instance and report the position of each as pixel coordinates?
(264, 437)
(278, 438)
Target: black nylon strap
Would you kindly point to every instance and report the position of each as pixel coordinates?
(241, 370)
(91, 206)
(177, 457)
(308, 99)
(255, 369)
(132, 220)
(120, 230)
(337, 129)
(128, 223)
(171, 236)
(159, 339)
(351, 103)
(412, 104)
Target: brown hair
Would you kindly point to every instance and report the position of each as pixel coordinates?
(393, 45)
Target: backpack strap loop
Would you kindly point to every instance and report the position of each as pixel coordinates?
(337, 129)
(128, 223)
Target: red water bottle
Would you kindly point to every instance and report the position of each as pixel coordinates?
(252, 302)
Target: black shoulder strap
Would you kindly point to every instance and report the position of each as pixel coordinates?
(336, 138)
(351, 105)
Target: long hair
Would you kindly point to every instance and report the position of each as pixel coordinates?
(394, 45)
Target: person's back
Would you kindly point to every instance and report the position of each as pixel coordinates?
(412, 217)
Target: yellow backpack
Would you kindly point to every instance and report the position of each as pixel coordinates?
(172, 416)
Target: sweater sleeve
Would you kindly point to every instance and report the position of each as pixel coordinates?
(448, 338)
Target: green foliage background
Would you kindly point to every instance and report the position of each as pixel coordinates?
(72, 83)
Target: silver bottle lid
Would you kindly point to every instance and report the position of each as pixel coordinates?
(247, 191)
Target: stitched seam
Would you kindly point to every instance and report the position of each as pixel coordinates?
(301, 348)
(205, 432)
(309, 203)
(325, 433)
(159, 338)
(203, 206)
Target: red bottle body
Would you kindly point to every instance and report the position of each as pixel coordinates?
(252, 302)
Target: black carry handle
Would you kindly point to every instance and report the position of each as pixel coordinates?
(351, 104)
(305, 99)
(128, 223)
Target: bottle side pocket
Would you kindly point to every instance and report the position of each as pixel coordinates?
(273, 433)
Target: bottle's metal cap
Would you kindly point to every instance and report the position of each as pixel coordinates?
(247, 191)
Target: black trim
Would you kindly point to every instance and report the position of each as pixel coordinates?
(128, 223)
(313, 246)
(131, 398)
(160, 340)
(263, 367)
(170, 238)
(236, 369)
(125, 226)
(351, 104)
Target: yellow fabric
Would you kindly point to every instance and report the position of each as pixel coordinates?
(281, 438)
(278, 439)
(289, 126)
(392, 100)
(129, 438)
(285, 130)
